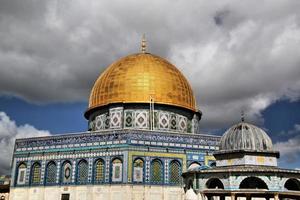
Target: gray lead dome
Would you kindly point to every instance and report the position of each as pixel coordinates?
(244, 136)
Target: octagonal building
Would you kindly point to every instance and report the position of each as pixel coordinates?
(142, 134)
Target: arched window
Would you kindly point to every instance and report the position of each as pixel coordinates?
(66, 172)
(175, 172)
(214, 183)
(51, 173)
(99, 171)
(21, 174)
(83, 171)
(138, 171)
(156, 172)
(253, 183)
(35, 173)
(117, 170)
(292, 184)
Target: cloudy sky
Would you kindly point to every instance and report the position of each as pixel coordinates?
(237, 55)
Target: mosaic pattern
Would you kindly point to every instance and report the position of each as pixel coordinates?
(100, 122)
(173, 122)
(141, 120)
(182, 124)
(115, 116)
(164, 120)
(128, 119)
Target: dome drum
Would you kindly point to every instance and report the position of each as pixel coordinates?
(139, 116)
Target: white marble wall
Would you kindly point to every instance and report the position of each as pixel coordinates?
(104, 192)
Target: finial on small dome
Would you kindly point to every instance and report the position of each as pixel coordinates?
(242, 116)
(143, 44)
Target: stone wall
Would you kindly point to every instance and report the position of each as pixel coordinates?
(107, 192)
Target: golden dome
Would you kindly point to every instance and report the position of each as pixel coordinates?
(138, 77)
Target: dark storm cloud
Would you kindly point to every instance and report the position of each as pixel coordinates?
(236, 55)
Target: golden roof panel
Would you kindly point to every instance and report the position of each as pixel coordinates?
(138, 77)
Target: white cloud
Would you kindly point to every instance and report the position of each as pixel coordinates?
(290, 149)
(9, 131)
(236, 54)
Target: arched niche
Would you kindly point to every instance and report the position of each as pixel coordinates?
(214, 183)
(253, 183)
(292, 184)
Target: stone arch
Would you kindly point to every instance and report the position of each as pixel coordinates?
(292, 184)
(214, 183)
(253, 183)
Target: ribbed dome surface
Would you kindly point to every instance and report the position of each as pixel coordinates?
(137, 78)
(245, 136)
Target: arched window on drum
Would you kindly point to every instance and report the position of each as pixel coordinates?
(138, 170)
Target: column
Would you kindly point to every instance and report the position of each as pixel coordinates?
(232, 196)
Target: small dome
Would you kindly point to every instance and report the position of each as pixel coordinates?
(244, 136)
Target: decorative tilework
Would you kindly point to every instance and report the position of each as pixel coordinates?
(128, 119)
(166, 171)
(173, 122)
(164, 120)
(100, 122)
(147, 177)
(115, 116)
(182, 124)
(141, 119)
(107, 170)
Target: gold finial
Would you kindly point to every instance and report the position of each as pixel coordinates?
(143, 44)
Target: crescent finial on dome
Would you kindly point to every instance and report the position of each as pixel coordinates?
(143, 44)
